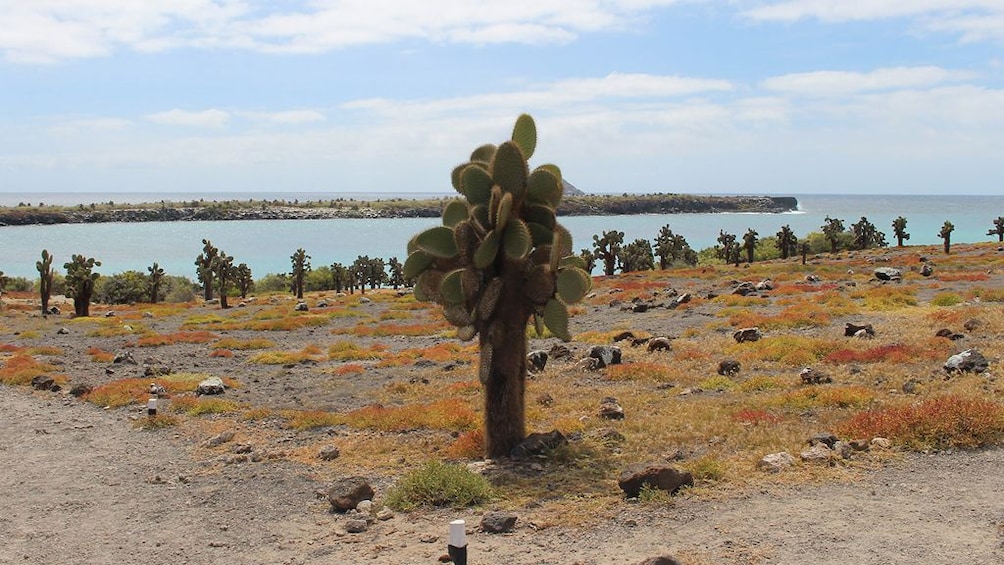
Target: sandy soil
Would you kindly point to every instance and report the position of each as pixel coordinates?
(80, 485)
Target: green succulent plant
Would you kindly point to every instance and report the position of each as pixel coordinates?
(80, 277)
(45, 280)
(499, 260)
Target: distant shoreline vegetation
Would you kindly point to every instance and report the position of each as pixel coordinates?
(348, 208)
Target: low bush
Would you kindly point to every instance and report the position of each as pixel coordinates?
(950, 421)
(437, 485)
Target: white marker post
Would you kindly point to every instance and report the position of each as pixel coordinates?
(457, 548)
(151, 407)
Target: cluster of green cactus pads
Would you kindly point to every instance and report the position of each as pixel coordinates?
(502, 233)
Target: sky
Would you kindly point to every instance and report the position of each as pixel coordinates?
(387, 96)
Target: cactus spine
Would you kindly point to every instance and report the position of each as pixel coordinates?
(499, 259)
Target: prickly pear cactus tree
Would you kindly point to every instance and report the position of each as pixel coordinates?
(80, 277)
(156, 276)
(45, 280)
(499, 260)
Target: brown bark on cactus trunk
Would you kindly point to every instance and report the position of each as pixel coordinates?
(505, 422)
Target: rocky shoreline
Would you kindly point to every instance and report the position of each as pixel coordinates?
(585, 205)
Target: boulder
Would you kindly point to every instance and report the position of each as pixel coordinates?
(538, 444)
(811, 376)
(969, 361)
(744, 288)
(818, 453)
(498, 522)
(328, 453)
(348, 492)
(765, 284)
(610, 409)
(640, 307)
(747, 334)
(301, 307)
(43, 382)
(322, 303)
(80, 389)
(124, 357)
(660, 344)
(888, 274)
(356, 526)
(926, 270)
(559, 351)
(62, 331)
(211, 386)
(825, 438)
(662, 477)
(775, 462)
(852, 330)
(679, 300)
(624, 336)
(972, 325)
(948, 334)
(728, 367)
(661, 560)
(606, 355)
(536, 360)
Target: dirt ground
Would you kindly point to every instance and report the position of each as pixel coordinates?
(81, 484)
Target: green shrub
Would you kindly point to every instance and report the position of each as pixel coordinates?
(178, 289)
(123, 288)
(439, 484)
(272, 283)
(946, 299)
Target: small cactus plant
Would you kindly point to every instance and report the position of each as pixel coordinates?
(80, 277)
(45, 280)
(499, 259)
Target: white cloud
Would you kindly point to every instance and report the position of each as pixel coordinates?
(211, 118)
(972, 20)
(841, 83)
(48, 31)
(90, 125)
(287, 117)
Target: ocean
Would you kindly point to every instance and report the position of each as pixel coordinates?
(266, 246)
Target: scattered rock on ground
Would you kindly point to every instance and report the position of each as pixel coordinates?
(660, 344)
(606, 355)
(852, 330)
(775, 462)
(888, 274)
(538, 444)
(219, 439)
(818, 453)
(662, 477)
(661, 560)
(496, 522)
(536, 361)
(969, 361)
(728, 367)
(348, 492)
(747, 334)
(610, 409)
(329, 453)
(211, 386)
(811, 376)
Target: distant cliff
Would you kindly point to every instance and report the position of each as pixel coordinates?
(573, 205)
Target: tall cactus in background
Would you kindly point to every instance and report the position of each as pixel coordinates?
(45, 280)
(499, 259)
(224, 272)
(80, 277)
(946, 234)
(204, 268)
(301, 266)
(156, 275)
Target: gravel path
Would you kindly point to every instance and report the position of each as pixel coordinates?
(81, 485)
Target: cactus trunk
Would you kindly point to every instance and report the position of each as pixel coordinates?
(505, 425)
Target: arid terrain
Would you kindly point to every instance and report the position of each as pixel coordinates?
(235, 478)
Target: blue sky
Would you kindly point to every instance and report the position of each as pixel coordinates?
(692, 96)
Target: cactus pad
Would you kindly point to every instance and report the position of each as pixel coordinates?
(573, 284)
(454, 213)
(438, 242)
(524, 135)
(556, 319)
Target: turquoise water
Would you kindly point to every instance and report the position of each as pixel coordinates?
(267, 245)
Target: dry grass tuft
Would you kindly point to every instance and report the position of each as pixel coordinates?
(195, 337)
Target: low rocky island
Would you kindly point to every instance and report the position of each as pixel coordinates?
(201, 210)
